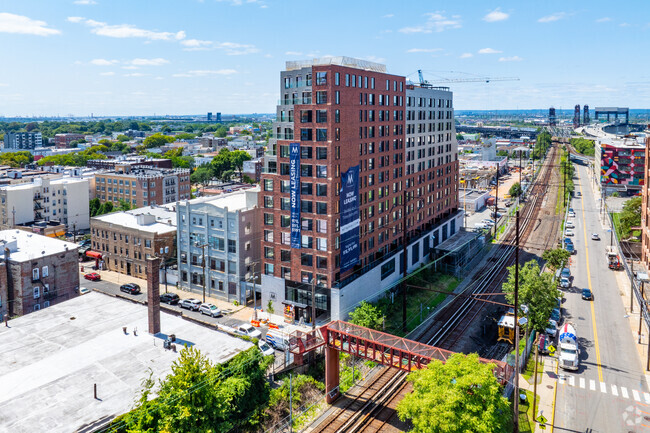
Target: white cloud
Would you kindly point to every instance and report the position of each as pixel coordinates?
(603, 20)
(196, 45)
(466, 55)
(488, 51)
(388, 16)
(103, 62)
(496, 15)
(4, 85)
(553, 17)
(625, 24)
(423, 50)
(369, 58)
(85, 2)
(510, 59)
(205, 73)
(235, 49)
(436, 22)
(127, 31)
(149, 62)
(107, 74)
(242, 2)
(19, 24)
(135, 74)
(293, 53)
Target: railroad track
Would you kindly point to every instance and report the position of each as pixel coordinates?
(374, 406)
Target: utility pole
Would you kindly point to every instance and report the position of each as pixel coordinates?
(535, 375)
(520, 169)
(496, 204)
(640, 306)
(516, 405)
(406, 262)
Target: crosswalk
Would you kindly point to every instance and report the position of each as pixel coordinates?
(616, 391)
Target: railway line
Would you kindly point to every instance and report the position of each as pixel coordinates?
(373, 408)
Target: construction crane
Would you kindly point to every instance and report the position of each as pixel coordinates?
(428, 84)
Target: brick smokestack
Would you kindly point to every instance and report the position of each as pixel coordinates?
(153, 295)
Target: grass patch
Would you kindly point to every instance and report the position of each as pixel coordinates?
(526, 415)
(530, 370)
(427, 278)
(616, 219)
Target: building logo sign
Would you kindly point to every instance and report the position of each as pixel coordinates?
(294, 192)
(350, 218)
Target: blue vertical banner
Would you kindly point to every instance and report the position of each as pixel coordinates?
(349, 197)
(294, 193)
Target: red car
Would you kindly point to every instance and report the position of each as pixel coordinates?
(94, 276)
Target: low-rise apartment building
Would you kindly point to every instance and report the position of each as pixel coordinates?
(123, 241)
(143, 186)
(63, 141)
(23, 140)
(37, 272)
(622, 162)
(226, 230)
(45, 199)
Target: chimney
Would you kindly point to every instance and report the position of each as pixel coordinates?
(153, 295)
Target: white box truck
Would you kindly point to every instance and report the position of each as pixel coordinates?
(277, 339)
(568, 351)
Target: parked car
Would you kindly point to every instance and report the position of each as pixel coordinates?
(587, 295)
(210, 310)
(568, 241)
(565, 283)
(595, 237)
(556, 314)
(130, 288)
(570, 225)
(578, 193)
(249, 330)
(572, 214)
(488, 222)
(566, 272)
(266, 349)
(551, 328)
(93, 276)
(85, 243)
(190, 304)
(570, 248)
(170, 298)
(83, 290)
(568, 232)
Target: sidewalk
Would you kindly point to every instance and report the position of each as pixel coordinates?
(240, 312)
(546, 391)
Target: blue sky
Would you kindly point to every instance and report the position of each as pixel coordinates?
(136, 57)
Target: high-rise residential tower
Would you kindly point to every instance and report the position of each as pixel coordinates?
(362, 163)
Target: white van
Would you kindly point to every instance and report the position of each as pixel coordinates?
(277, 339)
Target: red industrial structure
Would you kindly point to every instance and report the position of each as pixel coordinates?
(379, 347)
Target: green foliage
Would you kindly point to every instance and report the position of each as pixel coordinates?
(78, 159)
(203, 175)
(367, 315)
(96, 208)
(460, 396)
(124, 205)
(226, 162)
(304, 390)
(542, 144)
(16, 159)
(269, 307)
(157, 140)
(502, 153)
(538, 292)
(556, 259)
(459, 136)
(122, 138)
(582, 145)
(630, 216)
(185, 135)
(515, 190)
(201, 397)
(221, 132)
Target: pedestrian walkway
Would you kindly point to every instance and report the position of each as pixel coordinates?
(604, 388)
(546, 389)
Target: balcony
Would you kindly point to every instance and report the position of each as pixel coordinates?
(283, 136)
(294, 101)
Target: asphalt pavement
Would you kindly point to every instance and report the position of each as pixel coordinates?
(609, 392)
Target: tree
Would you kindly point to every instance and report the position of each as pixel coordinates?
(556, 259)
(631, 215)
(157, 140)
(237, 158)
(222, 131)
(367, 315)
(202, 175)
(461, 395)
(93, 206)
(122, 138)
(459, 136)
(124, 205)
(538, 292)
(515, 190)
(200, 397)
(185, 136)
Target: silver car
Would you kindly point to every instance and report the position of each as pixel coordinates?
(210, 310)
(190, 304)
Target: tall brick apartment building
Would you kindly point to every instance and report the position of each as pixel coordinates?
(143, 186)
(362, 162)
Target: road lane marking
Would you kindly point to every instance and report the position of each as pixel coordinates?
(646, 397)
(562, 380)
(572, 380)
(592, 385)
(593, 310)
(582, 382)
(614, 391)
(635, 394)
(603, 387)
(624, 392)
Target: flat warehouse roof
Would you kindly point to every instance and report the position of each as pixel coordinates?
(52, 358)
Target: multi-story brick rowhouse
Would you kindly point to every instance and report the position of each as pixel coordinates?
(645, 208)
(361, 162)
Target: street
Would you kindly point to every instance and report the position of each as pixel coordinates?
(609, 392)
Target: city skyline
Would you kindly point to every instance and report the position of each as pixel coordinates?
(118, 58)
